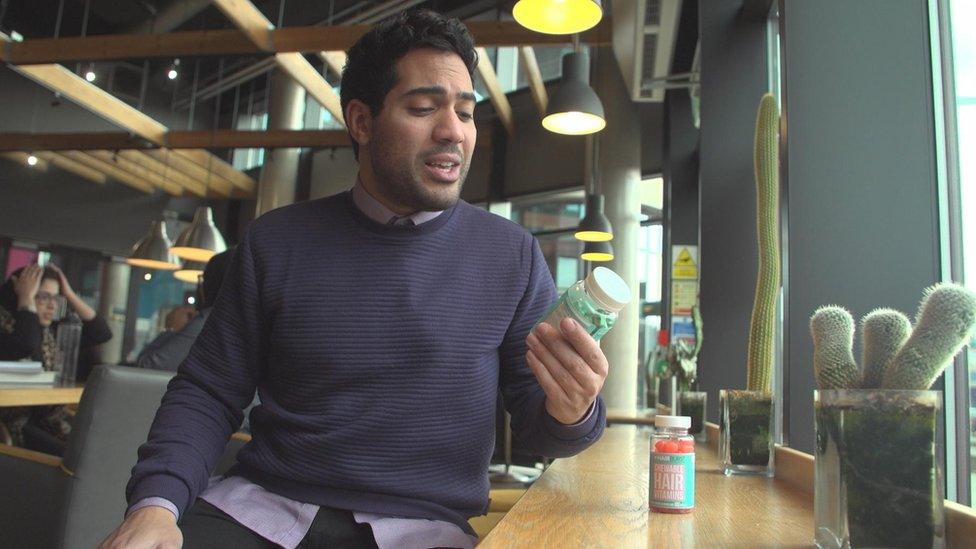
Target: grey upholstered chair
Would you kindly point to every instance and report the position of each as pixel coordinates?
(47, 502)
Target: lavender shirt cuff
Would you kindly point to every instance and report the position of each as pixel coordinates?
(586, 417)
(153, 502)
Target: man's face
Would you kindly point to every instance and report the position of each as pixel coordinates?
(421, 142)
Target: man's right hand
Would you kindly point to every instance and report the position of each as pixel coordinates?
(147, 528)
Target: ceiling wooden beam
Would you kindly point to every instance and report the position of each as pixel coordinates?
(214, 184)
(335, 60)
(61, 80)
(498, 98)
(307, 77)
(192, 185)
(72, 141)
(257, 139)
(199, 139)
(46, 159)
(259, 29)
(21, 158)
(76, 168)
(218, 168)
(136, 169)
(249, 19)
(236, 42)
(536, 86)
(110, 170)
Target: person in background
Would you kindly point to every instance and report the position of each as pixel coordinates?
(28, 305)
(168, 350)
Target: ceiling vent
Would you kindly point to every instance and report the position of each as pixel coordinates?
(644, 32)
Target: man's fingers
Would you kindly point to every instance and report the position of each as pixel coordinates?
(585, 346)
(563, 375)
(567, 355)
(549, 385)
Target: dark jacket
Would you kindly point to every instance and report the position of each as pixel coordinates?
(168, 350)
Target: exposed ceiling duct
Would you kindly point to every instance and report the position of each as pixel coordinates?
(644, 33)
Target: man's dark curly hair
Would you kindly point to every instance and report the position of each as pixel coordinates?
(370, 71)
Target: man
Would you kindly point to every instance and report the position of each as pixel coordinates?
(377, 326)
(170, 348)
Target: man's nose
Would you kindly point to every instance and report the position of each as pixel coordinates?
(449, 129)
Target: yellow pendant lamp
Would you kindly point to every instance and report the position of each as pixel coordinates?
(558, 16)
(201, 240)
(597, 251)
(594, 227)
(574, 108)
(153, 250)
(190, 272)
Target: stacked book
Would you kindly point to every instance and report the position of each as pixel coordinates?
(24, 372)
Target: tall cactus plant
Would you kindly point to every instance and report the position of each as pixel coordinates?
(762, 330)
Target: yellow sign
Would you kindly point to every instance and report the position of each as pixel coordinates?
(684, 266)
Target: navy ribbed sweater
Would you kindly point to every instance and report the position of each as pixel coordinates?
(377, 352)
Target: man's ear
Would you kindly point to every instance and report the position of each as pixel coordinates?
(359, 120)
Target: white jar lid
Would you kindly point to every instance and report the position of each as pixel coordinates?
(680, 422)
(606, 286)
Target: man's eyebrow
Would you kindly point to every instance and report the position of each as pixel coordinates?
(439, 90)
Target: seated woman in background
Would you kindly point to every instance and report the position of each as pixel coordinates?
(28, 304)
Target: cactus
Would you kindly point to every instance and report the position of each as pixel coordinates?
(762, 328)
(832, 328)
(945, 322)
(883, 332)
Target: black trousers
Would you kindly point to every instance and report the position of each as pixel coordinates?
(206, 527)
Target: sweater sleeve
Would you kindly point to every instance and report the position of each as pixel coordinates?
(25, 339)
(524, 398)
(203, 404)
(94, 332)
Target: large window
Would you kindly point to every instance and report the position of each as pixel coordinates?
(553, 219)
(963, 89)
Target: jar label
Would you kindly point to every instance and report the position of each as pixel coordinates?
(673, 480)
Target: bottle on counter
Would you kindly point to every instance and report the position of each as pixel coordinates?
(592, 302)
(672, 470)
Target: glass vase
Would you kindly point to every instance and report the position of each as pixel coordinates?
(746, 433)
(878, 479)
(692, 404)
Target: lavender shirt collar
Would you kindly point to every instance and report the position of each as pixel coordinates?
(376, 211)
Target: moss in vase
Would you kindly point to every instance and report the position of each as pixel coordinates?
(749, 422)
(886, 462)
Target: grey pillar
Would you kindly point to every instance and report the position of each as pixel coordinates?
(114, 295)
(619, 174)
(279, 175)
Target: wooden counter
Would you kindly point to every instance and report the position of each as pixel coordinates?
(39, 395)
(599, 499)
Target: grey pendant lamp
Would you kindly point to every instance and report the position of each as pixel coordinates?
(597, 251)
(594, 227)
(558, 16)
(190, 272)
(153, 251)
(574, 108)
(201, 240)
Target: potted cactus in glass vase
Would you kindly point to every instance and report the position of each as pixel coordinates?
(878, 480)
(747, 417)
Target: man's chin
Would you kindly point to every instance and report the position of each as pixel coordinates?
(440, 196)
